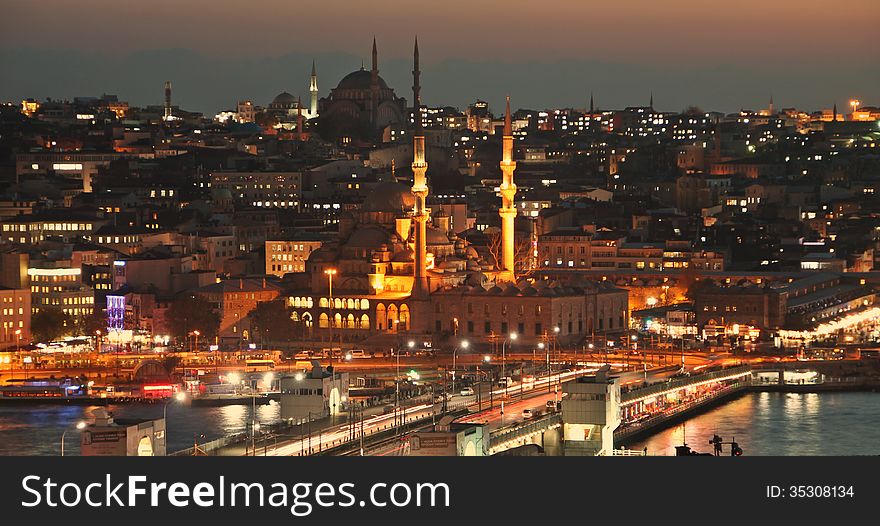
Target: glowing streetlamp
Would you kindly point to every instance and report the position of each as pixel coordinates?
(79, 426)
(330, 273)
(464, 344)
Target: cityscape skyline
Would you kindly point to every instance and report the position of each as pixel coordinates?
(564, 84)
(548, 55)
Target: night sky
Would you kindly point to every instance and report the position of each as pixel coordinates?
(715, 54)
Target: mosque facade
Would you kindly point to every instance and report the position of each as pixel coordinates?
(394, 269)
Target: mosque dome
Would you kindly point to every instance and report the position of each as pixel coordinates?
(359, 80)
(323, 254)
(283, 100)
(435, 236)
(368, 237)
(389, 197)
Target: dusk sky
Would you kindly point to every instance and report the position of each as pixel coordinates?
(719, 55)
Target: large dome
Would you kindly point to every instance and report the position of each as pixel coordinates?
(359, 79)
(284, 99)
(389, 197)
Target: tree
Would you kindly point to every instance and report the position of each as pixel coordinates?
(50, 324)
(271, 320)
(188, 313)
(88, 324)
(523, 261)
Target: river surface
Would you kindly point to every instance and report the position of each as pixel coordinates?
(36, 429)
(787, 424)
(762, 423)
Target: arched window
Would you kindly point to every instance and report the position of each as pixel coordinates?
(337, 303)
(337, 320)
(350, 304)
(294, 316)
(323, 321)
(381, 319)
(404, 318)
(349, 322)
(323, 303)
(307, 319)
(296, 301)
(392, 318)
(365, 304)
(309, 302)
(365, 322)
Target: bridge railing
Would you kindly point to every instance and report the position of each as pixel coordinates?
(509, 433)
(680, 383)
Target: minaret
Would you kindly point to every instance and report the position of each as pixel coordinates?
(591, 104)
(419, 189)
(374, 87)
(313, 89)
(651, 103)
(167, 100)
(770, 109)
(508, 206)
(834, 113)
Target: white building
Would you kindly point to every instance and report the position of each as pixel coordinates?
(315, 394)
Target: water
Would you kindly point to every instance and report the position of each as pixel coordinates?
(788, 424)
(34, 429)
(762, 423)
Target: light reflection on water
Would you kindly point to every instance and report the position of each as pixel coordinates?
(762, 423)
(36, 429)
(786, 424)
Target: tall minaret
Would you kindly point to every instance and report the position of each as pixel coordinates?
(770, 109)
(313, 89)
(374, 87)
(508, 206)
(419, 188)
(167, 100)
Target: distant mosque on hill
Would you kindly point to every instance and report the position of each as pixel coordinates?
(395, 270)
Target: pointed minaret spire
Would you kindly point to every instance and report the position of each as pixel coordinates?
(374, 87)
(591, 104)
(834, 114)
(313, 91)
(421, 287)
(508, 206)
(417, 89)
(375, 56)
(651, 103)
(770, 109)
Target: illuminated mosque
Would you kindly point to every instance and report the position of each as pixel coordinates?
(394, 269)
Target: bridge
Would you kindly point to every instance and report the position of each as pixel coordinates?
(601, 408)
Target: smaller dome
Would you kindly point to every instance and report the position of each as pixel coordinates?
(435, 236)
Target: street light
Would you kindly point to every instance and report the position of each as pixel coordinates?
(196, 334)
(330, 273)
(511, 338)
(463, 345)
(79, 425)
(178, 397)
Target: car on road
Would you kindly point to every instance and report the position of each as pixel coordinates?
(527, 414)
(467, 391)
(551, 404)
